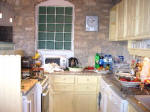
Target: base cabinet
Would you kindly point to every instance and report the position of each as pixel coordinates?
(63, 102)
(29, 101)
(74, 93)
(85, 103)
(131, 108)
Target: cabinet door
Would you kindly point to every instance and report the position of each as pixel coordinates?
(85, 103)
(63, 102)
(113, 24)
(146, 17)
(131, 108)
(131, 18)
(103, 103)
(121, 20)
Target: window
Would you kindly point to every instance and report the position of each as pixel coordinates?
(55, 27)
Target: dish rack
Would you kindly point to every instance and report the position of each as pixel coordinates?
(126, 83)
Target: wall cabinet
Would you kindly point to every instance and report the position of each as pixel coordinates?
(132, 20)
(113, 24)
(72, 93)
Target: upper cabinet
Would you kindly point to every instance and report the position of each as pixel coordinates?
(113, 24)
(144, 19)
(121, 20)
(132, 20)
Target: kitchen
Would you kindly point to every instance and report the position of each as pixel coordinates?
(85, 44)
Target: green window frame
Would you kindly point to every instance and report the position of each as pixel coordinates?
(55, 26)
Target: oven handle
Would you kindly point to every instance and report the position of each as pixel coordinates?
(45, 93)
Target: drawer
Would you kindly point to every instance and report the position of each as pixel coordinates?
(63, 87)
(63, 79)
(87, 80)
(85, 88)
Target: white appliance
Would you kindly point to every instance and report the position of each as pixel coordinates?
(43, 95)
(62, 61)
(110, 100)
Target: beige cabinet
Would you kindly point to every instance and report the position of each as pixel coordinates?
(121, 20)
(63, 102)
(113, 24)
(131, 108)
(85, 103)
(72, 93)
(144, 19)
(130, 20)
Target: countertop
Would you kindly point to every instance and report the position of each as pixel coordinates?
(91, 73)
(27, 85)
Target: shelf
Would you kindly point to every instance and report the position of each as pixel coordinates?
(139, 52)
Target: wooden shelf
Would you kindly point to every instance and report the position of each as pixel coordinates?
(139, 52)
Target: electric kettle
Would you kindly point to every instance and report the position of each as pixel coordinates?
(73, 62)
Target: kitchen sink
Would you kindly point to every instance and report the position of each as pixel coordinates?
(144, 99)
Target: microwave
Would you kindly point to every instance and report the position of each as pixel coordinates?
(60, 60)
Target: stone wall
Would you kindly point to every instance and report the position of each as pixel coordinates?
(86, 43)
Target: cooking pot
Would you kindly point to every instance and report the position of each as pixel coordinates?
(73, 62)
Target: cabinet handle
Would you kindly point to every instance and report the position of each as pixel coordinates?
(99, 100)
(29, 102)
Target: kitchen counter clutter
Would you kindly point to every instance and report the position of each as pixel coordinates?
(128, 94)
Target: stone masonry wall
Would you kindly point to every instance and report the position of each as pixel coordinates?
(86, 44)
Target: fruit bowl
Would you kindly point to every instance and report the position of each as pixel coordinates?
(128, 81)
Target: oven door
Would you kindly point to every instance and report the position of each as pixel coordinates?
(45, 100)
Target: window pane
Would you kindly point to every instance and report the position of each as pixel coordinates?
(51, 27)
(42, 27)
(41, 45)
(59, 19)
(50, 18)
(50, 36)
(68, 10)
(42, 18)
(59, 28)
(58, 45)
(59, 37)
(42, 10)
(50, 10)
(59, 10)
(67, 36)
(68, 19)
(42, 36)
(68, 27)
(67, 45)
(50, 45)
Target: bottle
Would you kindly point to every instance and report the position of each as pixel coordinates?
(101, 61)
(105, 61)
(110, 61)
(97, 57)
